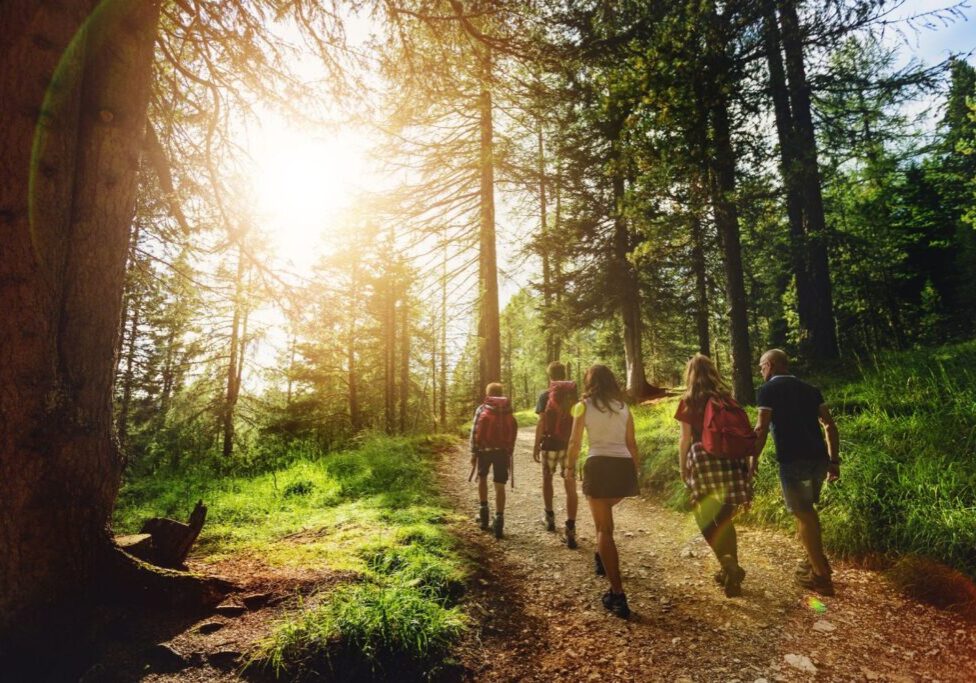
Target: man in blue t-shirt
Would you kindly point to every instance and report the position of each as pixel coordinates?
(799, 419)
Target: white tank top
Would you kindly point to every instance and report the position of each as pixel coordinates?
(607, 431)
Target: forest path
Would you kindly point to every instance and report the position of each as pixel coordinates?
(538, 617)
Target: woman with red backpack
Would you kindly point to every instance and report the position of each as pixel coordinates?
(715, 455)
(610, 469)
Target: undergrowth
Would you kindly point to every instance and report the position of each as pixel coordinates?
(907, 425)
(372, 512)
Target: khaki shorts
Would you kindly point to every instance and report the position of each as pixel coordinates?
(554, 461)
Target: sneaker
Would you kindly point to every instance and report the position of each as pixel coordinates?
(732, 575)
(498, 526)
(571, 538)
(550, 520)
(813, 581)
(616, 603)
(598, 567)
(483, 518)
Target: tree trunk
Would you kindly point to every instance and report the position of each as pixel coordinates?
(544, 253)
(443, 378)
(790, 171)
(823, 335)
(557, 272)
(701, 285)
(233, 377)
(404, 359)
(489, 327)
(628, 301)
(352, 379)
(72, 118)
(122, 421)
(727, 216)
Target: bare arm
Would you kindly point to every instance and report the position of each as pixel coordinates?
(631, 439)
(575, 438)
(536, 447)
(833, 442)
(684, 446)
(763, 418)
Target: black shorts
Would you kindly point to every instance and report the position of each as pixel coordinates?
(609, 477)
(497, 461)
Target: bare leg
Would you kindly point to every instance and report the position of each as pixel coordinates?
(808, 528)
(602, 510)
(499, 498)
(572, 501)
(483, 489)
(546, 487)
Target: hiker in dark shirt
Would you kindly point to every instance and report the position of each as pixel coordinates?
(799, 419)
(550, 446)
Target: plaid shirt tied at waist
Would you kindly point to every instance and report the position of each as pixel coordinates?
(724, 479)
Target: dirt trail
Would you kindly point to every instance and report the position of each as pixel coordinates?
(548, 623)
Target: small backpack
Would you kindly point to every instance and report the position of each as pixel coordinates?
(726, 432)
(557, 418)
(496, 427)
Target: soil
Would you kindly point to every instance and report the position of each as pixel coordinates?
(536, 614)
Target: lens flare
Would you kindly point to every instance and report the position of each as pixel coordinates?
(815, 605)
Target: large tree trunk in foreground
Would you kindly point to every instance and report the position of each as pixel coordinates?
(72, 118)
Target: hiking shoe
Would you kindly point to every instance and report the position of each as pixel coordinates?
(813, 581)
(616, 603)
(598, 567)
(732, 575)
(498, 526)
(571, 538)
(803, 567)
(483, 518)
(550, 520)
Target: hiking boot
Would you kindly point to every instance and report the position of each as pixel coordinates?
(598, 567)
(498, 525)
(571, 537)
(550, 520)
(732, 575)
(815, 582)
(483, 518)
(616, 603)
(803, 567)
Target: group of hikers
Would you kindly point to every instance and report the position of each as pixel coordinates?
(718, 453)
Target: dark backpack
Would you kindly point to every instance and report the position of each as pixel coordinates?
(557, 418)
(726, 431)
(496, 427)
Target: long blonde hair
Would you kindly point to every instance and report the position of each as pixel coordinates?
(703, 382)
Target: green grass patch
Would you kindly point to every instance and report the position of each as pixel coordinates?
(907, 424)
(373, 511)
(527, 418)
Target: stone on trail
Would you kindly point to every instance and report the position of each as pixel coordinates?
(824, 626)
(210, 627)
(229, 608)
(166, 659)
(801, 662)
(256, 600)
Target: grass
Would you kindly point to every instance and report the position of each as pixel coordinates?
(371, 511)
(908, 487)
(527, 417)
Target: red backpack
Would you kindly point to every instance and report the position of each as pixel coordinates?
(557, 418)
(726, 432)
(496, 428)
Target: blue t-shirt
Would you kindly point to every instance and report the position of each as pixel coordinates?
(796, 418)
(540, 405)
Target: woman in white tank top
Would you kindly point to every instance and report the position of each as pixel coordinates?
(610, 469)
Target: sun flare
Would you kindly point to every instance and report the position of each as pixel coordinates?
(303, 182)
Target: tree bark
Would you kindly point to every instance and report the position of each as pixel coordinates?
(823, 334)
(727, 215)
(489, 327)
(404, 359)
(790, 171)
(701, 285)
(233, 376)
(75, 84)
